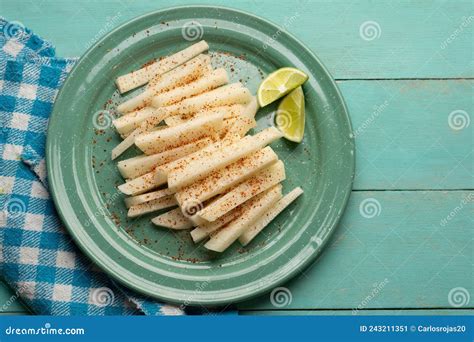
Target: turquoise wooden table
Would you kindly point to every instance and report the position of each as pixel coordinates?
(406, 71)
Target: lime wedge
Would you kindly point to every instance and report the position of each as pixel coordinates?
(289, 117)
(278, 84)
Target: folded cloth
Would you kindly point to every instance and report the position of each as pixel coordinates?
(38, 259)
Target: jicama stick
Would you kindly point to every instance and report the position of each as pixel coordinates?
(140, 77)
(124, 145)
(129, 122)
(151, 206)
(198, 234)
(269, 215)
(210, 81)
(221, 180)
(138, 166)
(196, 220)
(173, 219)
(252, 107)
(229, 112)
(198, 169)
(139, 185)
(172, 137)
(222, 96)
(249, 109)
(182, 74)
(164, 170)
(239, 125)
(188, 72)
(135, 103)
(159, 176)
(252, 210)
(191, 212)
(203, 230)
(149, 196)
(233, 124)
(262, 181)
(128, 142)
(175, 120)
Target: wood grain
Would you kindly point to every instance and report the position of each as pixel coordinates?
(406, 252)
(403, 138)
(414, 39)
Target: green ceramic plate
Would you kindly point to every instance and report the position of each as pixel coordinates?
(166, 264)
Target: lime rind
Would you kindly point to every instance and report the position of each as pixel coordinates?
(290, 116)
(279, 83)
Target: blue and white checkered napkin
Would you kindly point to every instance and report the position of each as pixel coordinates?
(37, 257)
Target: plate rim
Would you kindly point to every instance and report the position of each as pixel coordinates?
(114, 274)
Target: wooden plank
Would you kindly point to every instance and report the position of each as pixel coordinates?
(422, 257)
(423, 312)
(410, 39)
(407, 256)
(406, 136)
(407, 156)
